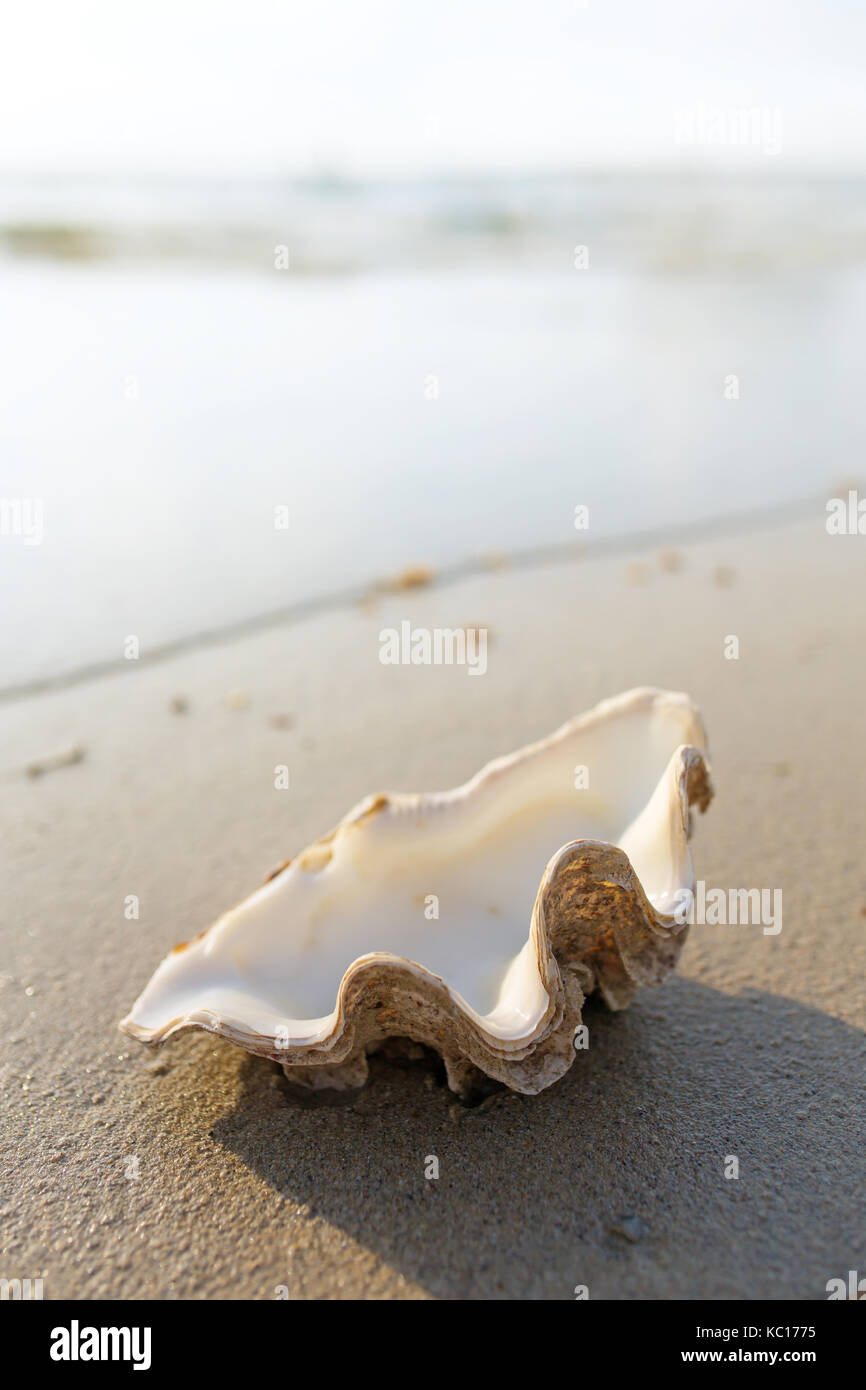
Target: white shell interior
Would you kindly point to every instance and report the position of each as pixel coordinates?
(478, 853)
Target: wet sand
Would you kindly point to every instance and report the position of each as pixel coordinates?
(193, 1173)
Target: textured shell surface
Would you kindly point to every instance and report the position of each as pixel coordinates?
(475, 921)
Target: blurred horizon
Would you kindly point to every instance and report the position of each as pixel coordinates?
(427, 279)
(640, 219)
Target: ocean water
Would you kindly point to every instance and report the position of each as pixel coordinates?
(431, 380)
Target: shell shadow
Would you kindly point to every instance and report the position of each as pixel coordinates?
(614, 1178)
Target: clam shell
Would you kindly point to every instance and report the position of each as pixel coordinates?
(475, 921)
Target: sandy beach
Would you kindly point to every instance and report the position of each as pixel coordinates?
(193, 1173)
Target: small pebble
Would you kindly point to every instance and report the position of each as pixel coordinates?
(630, 1228)
(238, 699)
(670, 561)
(637, 572)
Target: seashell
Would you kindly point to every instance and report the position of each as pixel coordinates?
(475, 921)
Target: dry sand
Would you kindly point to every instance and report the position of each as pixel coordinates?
(754, 1048)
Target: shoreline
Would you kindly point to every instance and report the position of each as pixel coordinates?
(733, 524)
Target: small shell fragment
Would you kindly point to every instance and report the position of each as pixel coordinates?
(474, 921)
(68, 757)
(413, 577)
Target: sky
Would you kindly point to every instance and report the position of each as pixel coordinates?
(395, 87)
